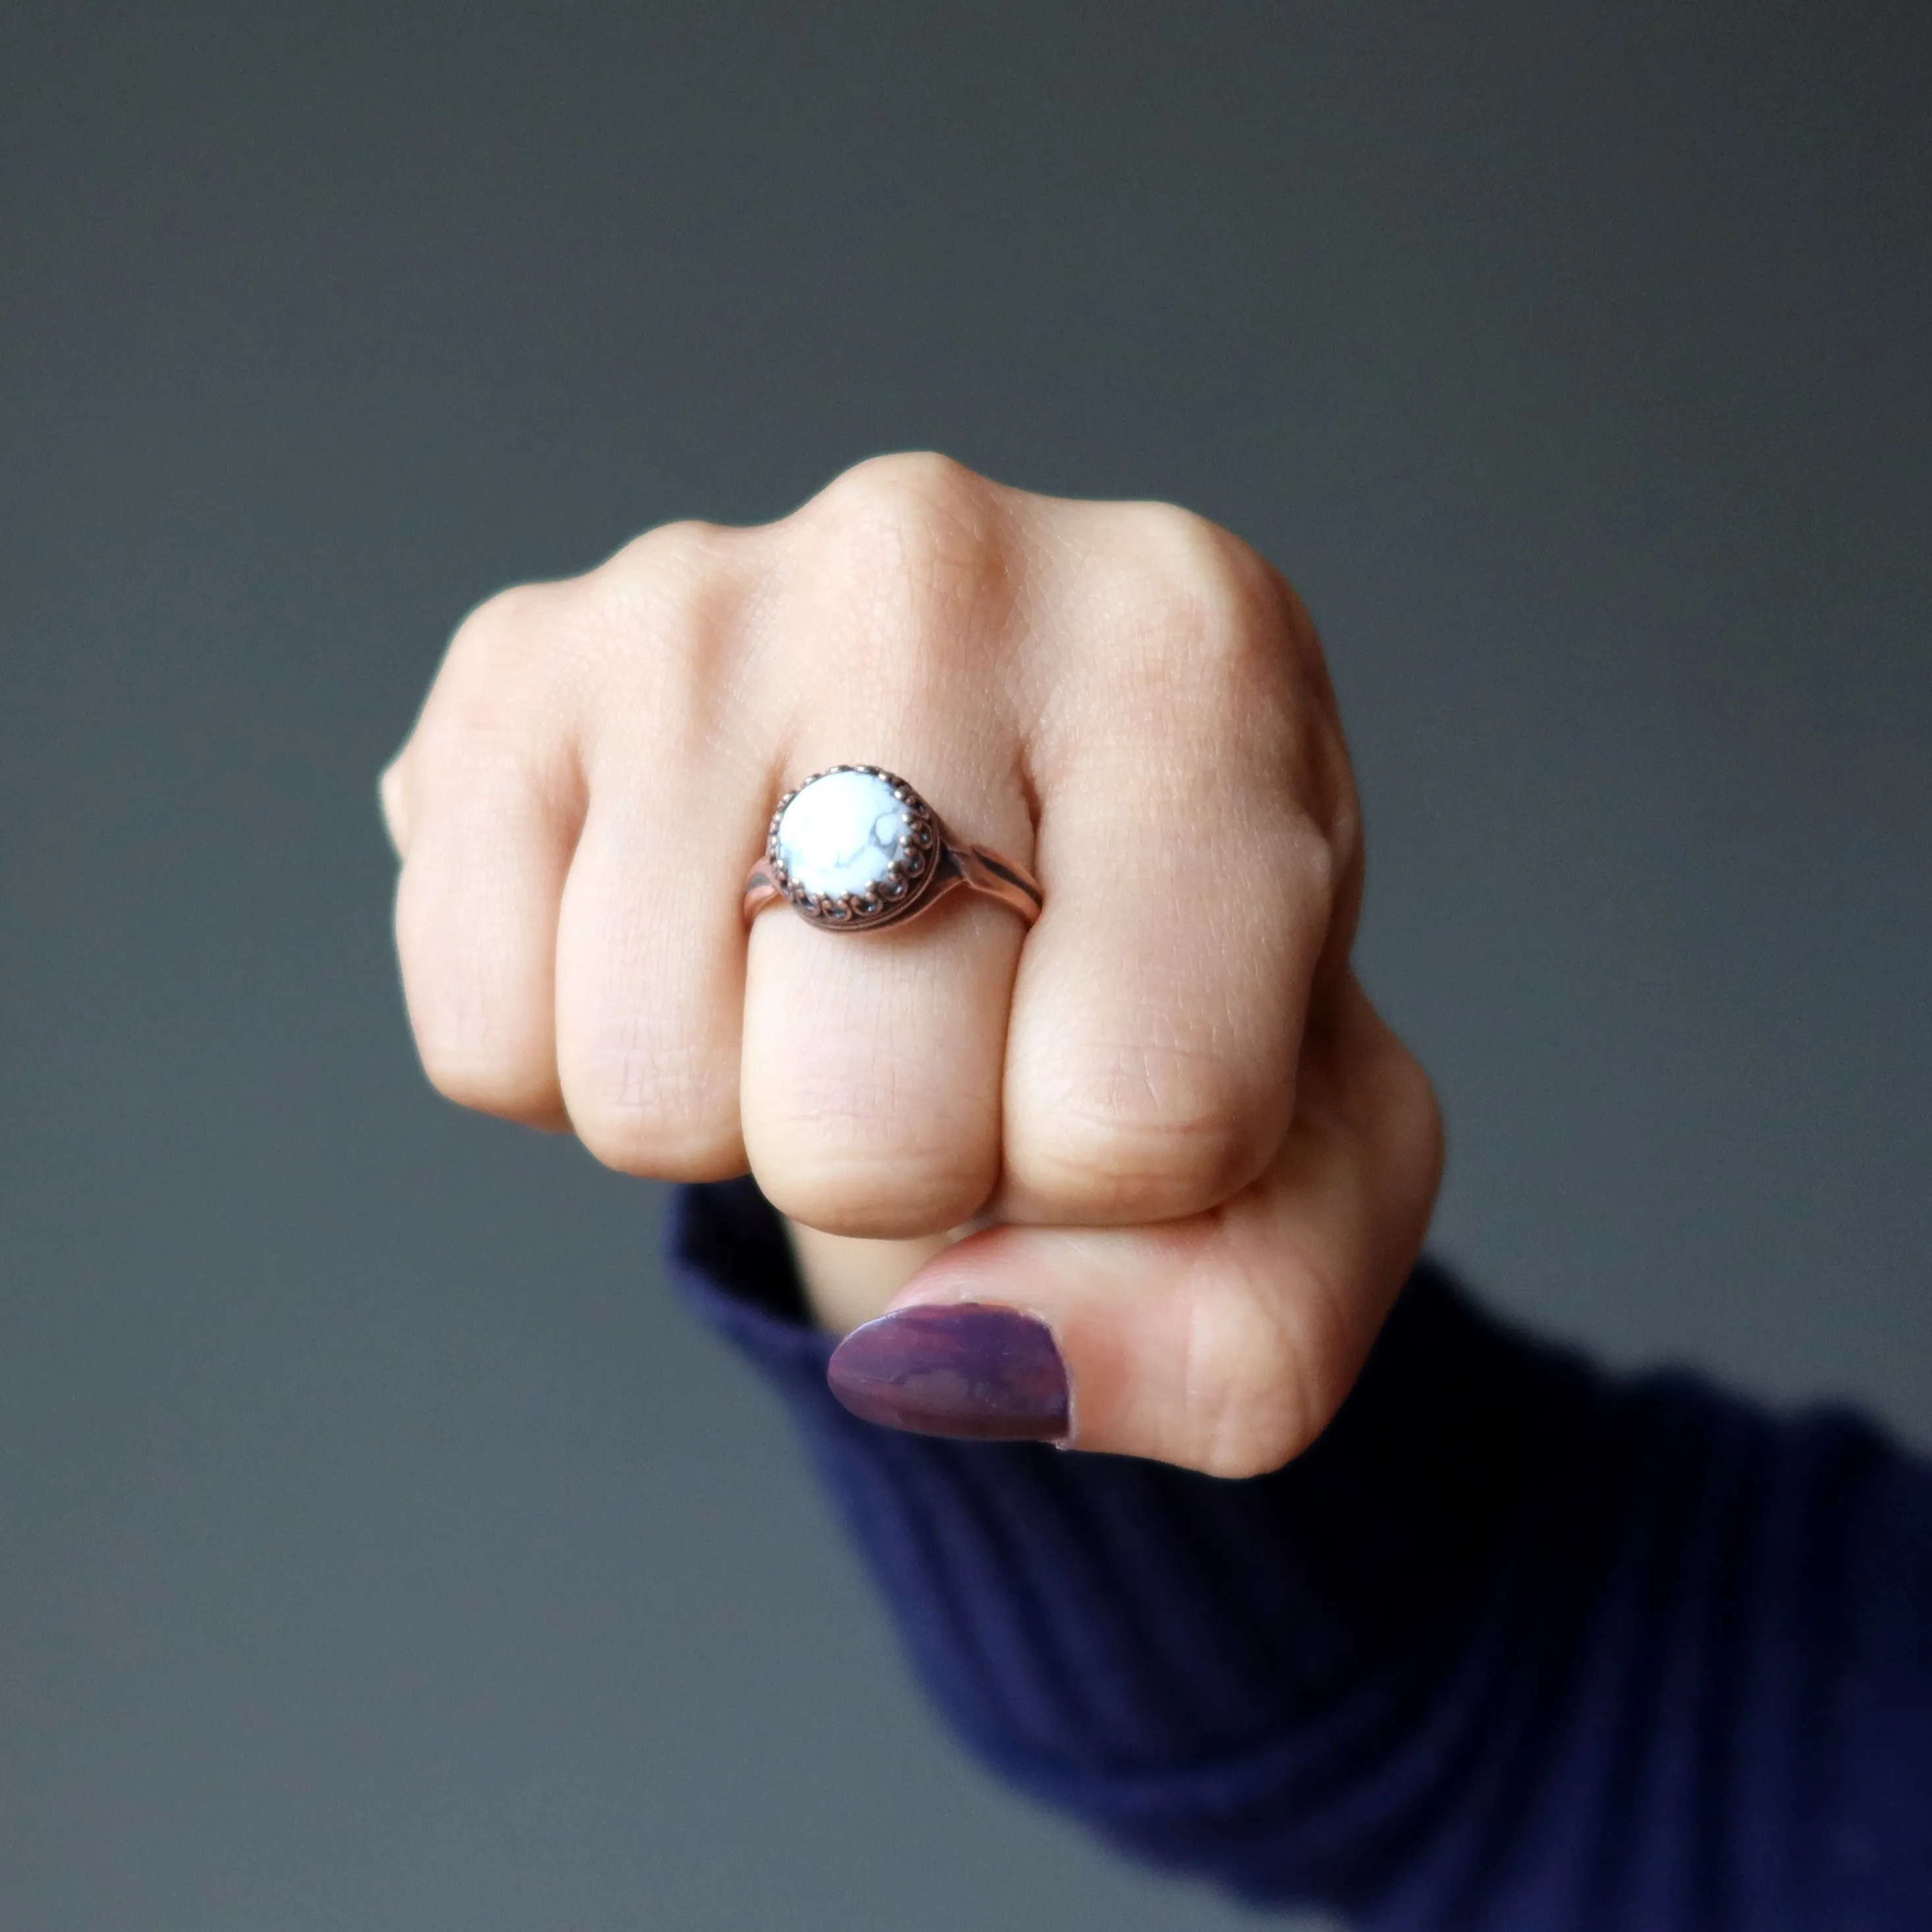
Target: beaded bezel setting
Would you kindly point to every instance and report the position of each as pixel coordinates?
(898, 883)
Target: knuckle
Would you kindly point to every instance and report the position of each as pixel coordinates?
(907, 545)
(661, 1108)
(484, 1082)
(643, 1143)
(1179, 543)
(640, 635)
(915, 486)
(1204, 621)
(672, 563)
(663, 574)
(1261, 1400)
(473, 1054)
(501, 633)
(841, 1161)
(670, 697)
(870, 1130)
(392, 797)
(484, 1041)
(1394, 1085)
(1317, 859)
(1198, 559)
(1150, 1135)
(491, 689)
(874, 1199)
(658, 635)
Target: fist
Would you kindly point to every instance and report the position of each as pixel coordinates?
(1198, 1165)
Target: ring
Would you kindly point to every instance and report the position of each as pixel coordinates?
(855, 848)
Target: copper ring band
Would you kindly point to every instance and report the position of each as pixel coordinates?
(926, 864)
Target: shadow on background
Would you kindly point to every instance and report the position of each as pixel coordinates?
(383, 1549)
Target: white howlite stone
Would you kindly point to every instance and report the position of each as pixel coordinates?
(840, 833)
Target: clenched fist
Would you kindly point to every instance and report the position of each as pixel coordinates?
(1198, 1165)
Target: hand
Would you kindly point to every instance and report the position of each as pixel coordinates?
(1197, 1155)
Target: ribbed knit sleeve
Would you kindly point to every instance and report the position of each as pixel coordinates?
(1514, 1644)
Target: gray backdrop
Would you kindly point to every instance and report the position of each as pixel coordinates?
(381, 1549)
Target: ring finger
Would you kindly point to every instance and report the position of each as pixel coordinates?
(870, 1087)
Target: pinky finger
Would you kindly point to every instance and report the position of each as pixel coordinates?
(476, 919)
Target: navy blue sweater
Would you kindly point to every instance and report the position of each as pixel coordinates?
(1515, 1645)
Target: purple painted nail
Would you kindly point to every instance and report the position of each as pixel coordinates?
(964, 1368)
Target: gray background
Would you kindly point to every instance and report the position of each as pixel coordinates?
(380, 1549)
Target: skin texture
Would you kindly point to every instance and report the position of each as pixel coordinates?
(1187, 1141)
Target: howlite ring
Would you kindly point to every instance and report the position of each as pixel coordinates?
(856, 848)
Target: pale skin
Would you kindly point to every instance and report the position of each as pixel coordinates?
(1186, 1139)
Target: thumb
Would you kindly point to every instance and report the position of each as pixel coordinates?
(1223, 1342)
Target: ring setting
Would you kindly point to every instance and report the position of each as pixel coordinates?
(856, 847)
(852, 846)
